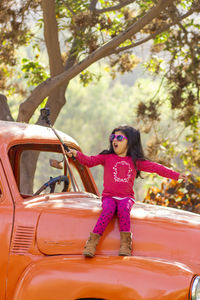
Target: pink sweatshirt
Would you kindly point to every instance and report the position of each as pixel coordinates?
(120, 172)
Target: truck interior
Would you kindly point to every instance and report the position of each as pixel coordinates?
(42, 168)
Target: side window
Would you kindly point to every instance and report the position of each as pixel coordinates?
(44, 165)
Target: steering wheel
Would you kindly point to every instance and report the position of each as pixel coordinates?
(52, 183)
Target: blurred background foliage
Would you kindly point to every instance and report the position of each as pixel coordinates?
(176, 194)
(91, 114)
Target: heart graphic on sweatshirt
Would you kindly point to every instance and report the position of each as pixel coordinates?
(122, 171)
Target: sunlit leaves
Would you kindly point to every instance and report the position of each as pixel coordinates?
(87, 77)
(191, 155)
(71, 7)
(148, 111)
(34, 72)
(176, 194)
(122, 63)
(186, 4)
(161, 38)
(40, 23)
(145, 5)
(154, 65)
(14, 31)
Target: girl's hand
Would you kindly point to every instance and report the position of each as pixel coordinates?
(71, 152)
(183, 176)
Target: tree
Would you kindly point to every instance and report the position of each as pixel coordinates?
(180, 44)
(93, 30)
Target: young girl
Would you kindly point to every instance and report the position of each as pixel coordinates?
(122, 164)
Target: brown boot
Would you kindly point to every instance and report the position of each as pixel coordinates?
(125, 243)
(90, 246)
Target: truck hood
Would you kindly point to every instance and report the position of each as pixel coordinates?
(168, 233)
(65, 222)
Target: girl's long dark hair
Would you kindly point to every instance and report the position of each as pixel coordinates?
(135, 149)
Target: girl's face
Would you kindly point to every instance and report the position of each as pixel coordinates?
(120, 147)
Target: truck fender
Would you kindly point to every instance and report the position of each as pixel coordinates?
(75, 277)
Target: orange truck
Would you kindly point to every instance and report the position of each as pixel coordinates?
(44, 224)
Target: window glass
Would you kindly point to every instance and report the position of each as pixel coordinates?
(44, 171)
(77, 178)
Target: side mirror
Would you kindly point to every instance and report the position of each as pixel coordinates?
(56, 164)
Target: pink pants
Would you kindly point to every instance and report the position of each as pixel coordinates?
(110, 206)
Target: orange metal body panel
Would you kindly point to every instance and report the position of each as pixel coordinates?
(107, 277)
(6, 222)
(42, 238)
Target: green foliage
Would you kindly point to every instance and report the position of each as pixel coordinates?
(115, 28)
(125, 62)
(181, 45)
(175, 57)
(83, 29)
(14, 29)
(191, 155)
(34, 72)
(91, 114)
(161, 38)
(87, 77)
(145, 5)
(70, 6)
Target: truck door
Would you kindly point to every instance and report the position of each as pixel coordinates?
(6, 220)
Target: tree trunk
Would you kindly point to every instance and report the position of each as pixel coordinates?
(56, 99)
(5, 114)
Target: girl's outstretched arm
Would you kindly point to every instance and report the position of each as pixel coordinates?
(89, 161)
(152, 167)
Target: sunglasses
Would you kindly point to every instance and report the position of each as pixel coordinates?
(118, 137)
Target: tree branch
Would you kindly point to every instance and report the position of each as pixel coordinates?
(69, 8)
(51, 37)
(45, 88)
(193, 58)
(25, 8)
(93, 4)
(153, 35)
(56, 98)
(111, 8)
(72, 56)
